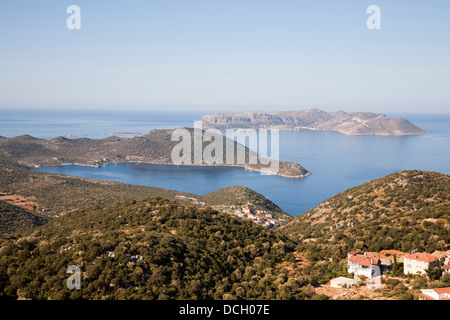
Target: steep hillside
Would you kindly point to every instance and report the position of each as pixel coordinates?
(60, 194)
(355, 123)
(150, 249)
(239, 195)
(16, 219)
(242, 196)
(403, 211)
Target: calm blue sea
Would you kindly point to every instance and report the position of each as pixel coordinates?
(94, 124)
(336, 161)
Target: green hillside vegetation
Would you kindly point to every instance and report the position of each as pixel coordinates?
(16, 219)
(402, 211)
(62, 194)
(150, 249)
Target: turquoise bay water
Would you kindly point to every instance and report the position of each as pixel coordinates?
(336, 161)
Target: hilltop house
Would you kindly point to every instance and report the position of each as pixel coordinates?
(362, 265)
(386, 259)
(352, 253)
(239, 213)
(445, 268)
(417, 263)
(435, 294)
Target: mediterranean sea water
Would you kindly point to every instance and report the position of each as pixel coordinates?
(336, 161)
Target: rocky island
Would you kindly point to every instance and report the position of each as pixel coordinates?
(355, 123)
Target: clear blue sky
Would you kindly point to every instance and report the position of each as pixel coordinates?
(218, 55)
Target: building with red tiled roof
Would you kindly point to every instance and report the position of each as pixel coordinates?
(365, 260)
(426, 257)
(352, 253)
(387, 258)
(445, 268)
(417, 263)
(367, 266)
(391, 253)
(435, 294)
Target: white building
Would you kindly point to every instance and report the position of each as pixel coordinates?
(445, 268)
(239, 213)
(435, 294)
(417, 263)
(362, 265)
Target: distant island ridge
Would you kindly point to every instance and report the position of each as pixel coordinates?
(355, 123)
(125, 133)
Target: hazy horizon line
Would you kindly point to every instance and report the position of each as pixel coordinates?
(198, 109)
